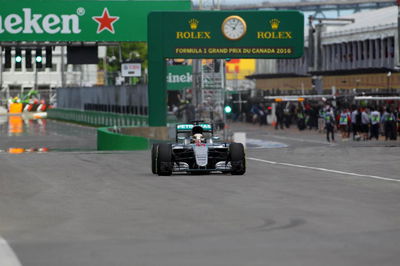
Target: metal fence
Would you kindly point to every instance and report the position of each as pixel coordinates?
(97, 118)
(116, 99)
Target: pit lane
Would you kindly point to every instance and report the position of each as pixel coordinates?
(85, 207)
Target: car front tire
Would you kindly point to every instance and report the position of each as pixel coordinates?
(237, 158)
(164, 162)
(154, 158)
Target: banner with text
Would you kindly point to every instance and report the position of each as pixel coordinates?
(236, 34)
(179, 77)
(69, 20)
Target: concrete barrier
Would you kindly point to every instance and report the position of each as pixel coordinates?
(130, 138)
(117, 131)
(108, 140)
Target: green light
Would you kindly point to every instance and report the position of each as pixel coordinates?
(227, 109)
(38, 59)
(18, 59)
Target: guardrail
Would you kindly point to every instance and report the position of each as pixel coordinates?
(98, 119)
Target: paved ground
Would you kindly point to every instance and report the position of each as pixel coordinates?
(16, 132)
(311, 203)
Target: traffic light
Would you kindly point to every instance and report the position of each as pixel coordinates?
(39, 58)
(48, 57)
(227, 109)
(28, 58)
(18, 58)
(7, 58)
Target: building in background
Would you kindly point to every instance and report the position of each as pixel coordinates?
(350, 58)
(236, 72)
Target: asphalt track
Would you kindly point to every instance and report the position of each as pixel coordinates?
(310, 203)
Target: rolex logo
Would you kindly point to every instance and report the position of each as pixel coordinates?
(193, 23)
(274, 23)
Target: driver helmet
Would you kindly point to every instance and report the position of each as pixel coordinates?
(197, 133)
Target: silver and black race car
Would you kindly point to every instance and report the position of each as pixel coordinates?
(197, 150)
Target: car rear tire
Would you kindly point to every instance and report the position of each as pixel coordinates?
(154, 158)
(164, 162)
(238, 159)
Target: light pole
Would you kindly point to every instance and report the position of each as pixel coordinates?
(398, 33)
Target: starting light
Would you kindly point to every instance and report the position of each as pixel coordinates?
(227, 109)
(39, 58)
(7, 58)
(28, 58)
(49, 62)
(18, 58)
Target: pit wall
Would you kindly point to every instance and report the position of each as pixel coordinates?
(130, 138)
(116, 131)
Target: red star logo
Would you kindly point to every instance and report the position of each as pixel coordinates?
(105, 22)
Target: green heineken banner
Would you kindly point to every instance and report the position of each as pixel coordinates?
(69, 20)
(179, 77)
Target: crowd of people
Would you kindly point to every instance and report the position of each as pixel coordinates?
(362, 122)
(357, 121)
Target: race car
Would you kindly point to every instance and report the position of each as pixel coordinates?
(197, 150)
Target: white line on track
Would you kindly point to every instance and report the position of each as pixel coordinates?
(326, 170)
(7, 255)
(301, 140)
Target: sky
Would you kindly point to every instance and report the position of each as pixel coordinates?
(329, 14)
(233, 2)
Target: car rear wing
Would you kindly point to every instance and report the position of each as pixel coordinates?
(183, 128)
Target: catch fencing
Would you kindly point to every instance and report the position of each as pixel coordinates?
(97, 119)
(114, 99)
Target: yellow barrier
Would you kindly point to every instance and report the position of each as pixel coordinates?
(16, 108)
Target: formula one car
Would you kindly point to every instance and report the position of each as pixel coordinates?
(197, 150)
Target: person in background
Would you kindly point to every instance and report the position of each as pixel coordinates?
(301, 120)
(365, 121)
(329, 124)
(354, 127)
(389, 122)
(344, 120)
(375, 119)
(255, 113)
(321, 121)
(262, 114)
(279, 116)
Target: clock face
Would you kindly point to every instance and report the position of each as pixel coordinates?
(234, 27)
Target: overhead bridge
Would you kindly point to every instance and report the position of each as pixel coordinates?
(319, 6)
